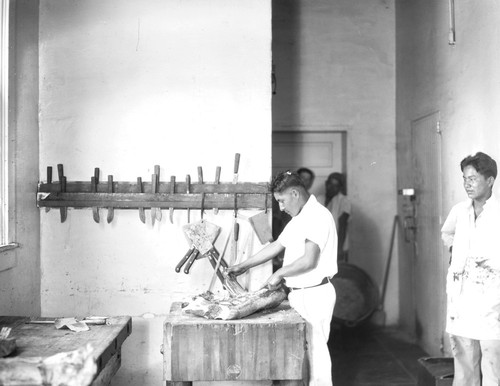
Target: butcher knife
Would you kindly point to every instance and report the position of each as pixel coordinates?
(142, 214)
(94, 182)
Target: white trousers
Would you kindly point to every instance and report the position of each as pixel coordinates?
(475, 359)
(315, 305)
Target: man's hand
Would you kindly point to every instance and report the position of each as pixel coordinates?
(236, 270)
(274, 281)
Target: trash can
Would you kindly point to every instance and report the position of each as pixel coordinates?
(357, 296)
(435, 371)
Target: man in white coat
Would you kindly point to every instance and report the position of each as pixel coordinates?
(472, 234)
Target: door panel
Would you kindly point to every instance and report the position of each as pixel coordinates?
(429, 265)
(323, 152)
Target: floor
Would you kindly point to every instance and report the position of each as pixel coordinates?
(373, 356)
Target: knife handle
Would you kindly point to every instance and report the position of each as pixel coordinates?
(60, 171)
(200, 174)
(184, 259)
(110, 183)
(172, 184)
(191, 260)
(93, 185)
(236, 162)
(49, 174)
(157, 173)
(188, 183)
(217, 174)
(96, 175)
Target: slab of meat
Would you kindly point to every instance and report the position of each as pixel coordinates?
(208, 306)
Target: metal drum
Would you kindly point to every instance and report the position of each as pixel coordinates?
(357, 296)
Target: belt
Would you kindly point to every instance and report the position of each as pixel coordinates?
(324, 281)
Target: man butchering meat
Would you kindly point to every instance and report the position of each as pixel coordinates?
(309, 241)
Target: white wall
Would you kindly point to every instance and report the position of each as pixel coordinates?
(335, 69)
(125, 85)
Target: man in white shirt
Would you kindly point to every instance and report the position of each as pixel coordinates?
(472, 234)
(309, 241)
(340, 207)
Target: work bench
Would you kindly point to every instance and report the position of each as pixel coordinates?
(267, 346)
(36, 340)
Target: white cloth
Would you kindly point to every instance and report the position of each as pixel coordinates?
(473, 280)
(314, 223)
(316, 305)
(337, 206)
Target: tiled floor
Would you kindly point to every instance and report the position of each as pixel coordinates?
(372, 356)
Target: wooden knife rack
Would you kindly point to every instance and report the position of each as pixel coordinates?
(177, 195)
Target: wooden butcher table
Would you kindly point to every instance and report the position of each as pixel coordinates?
(266, 346)
(44, 340)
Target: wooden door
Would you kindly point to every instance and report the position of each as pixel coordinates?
(323, 152)
(429, 263)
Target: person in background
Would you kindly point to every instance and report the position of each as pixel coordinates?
(471, 232)
(339, 205)
(309, 241)
(307, 175)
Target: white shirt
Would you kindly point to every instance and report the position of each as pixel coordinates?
(473, 281)
(314, 223)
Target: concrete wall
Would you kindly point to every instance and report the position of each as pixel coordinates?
(125, 85)
(20, 267)
(335, 70)
(460, 81)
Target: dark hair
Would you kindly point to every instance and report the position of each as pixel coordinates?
(337, 176)
(305, 170)
(285, 180)
(483, 163)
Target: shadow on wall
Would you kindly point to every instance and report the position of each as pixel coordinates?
(286, 61)
(365, 237)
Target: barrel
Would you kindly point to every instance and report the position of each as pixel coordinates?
(357, 296)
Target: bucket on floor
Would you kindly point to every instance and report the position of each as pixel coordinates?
(435, 371)
(357, 296)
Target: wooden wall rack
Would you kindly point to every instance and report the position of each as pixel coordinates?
(155, 194)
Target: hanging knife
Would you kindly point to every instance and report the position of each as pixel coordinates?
(157, 190)
(217, 179)
(188, 190)
(94, 182)
(111, 210)
(172, 192)
(142, 214)
(62, 182)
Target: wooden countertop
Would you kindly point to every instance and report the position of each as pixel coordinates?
(44, 340)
